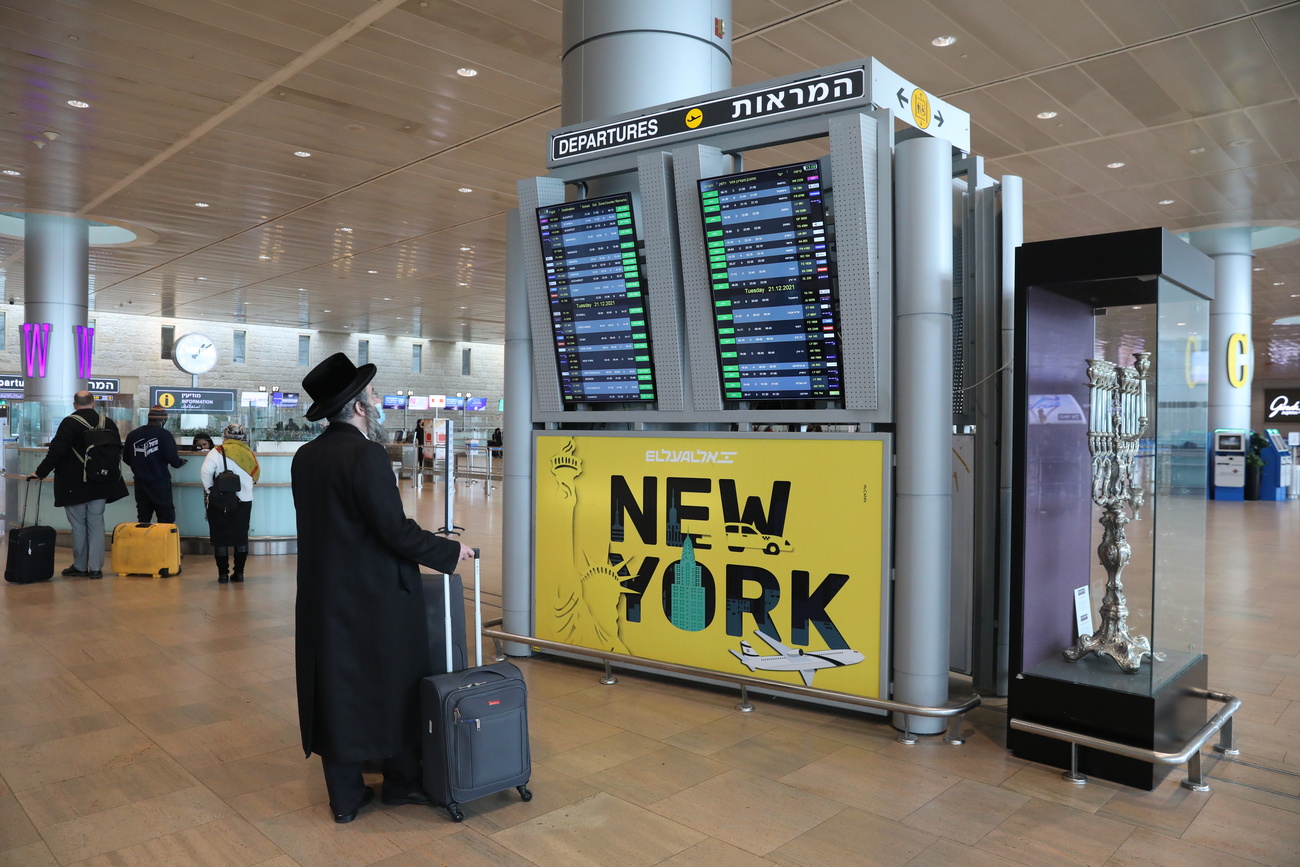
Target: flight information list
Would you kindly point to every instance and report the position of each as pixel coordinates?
(597, 299)
(772, 283)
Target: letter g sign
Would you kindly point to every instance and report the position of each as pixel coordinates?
(1238, 360)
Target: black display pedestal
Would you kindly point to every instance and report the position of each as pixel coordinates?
(1163, 721)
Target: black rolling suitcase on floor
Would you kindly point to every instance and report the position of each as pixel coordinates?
(475, 734)
(31, 549)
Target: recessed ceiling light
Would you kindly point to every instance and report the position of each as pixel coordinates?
(12, 173)
(1295, 294)
(345, 229)
(202, 205)
(462, 284)
(1196, 150)
(399, 317)
(1241, 142)
(467, 72)
(1182, 323)
(1260, 268)
(1166, 201)
(300, 289)
(331, 311)
(466, 189)
(943, 41)
(1280, 283)
(463, 307)
(303, 154)
(1115, 165)
(200, 278)
(1046, 115)
(466, 249)
(76, 103)
(264, 256)
(372, 272)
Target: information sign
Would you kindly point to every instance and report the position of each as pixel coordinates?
(287, 399)
(773, 286)
(219, 400)
(476, 404)
(394, 401)
(597, 300)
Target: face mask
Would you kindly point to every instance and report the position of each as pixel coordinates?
(381, 414)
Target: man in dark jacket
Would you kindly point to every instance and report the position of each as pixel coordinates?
(82, 500)
(361, 640)
(147, 451)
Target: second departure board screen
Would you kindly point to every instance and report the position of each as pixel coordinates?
(597, 300)
(773, 284)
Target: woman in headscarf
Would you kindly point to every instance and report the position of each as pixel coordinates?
(228, 526)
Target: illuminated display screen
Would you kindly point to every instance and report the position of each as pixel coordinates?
(597, 299)
(773, 284)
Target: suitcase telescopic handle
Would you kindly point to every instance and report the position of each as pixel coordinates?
(39, 488)
(478, 617)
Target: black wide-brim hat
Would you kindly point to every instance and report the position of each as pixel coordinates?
(334, 382)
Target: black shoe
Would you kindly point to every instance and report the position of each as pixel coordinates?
(237, 578)
(223, 578)
(410, 796)
(96, 574)
(74, 572)
(344, 818)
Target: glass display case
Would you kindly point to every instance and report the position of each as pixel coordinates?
(1109, 498)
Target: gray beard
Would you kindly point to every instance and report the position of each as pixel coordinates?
(374, 429)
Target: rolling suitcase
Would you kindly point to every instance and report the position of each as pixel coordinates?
(438, 589)
(147, 549)
(31, 549)
(475, 733)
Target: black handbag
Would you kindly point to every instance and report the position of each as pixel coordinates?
(225, 488)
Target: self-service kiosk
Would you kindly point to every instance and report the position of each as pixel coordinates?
(1228, 480)
(1277, 467)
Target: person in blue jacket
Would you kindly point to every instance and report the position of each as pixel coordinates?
(148, 451)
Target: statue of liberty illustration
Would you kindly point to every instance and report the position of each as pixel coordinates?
(587, 603)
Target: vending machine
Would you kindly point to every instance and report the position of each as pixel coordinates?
(1228, 477)
(1277, 467)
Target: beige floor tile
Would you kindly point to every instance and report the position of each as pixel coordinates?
(278, 800)
(1043, 833)
(721, 733)
(966, 812)
(46, 699)
(552, 790)
(601, 830)
(1147, 848)
(549, 679)
(105, 790)
(872, 782)
(853, 837)
(715, 853)
(777, 752)
(66, 727)
(25, 659)
(66, 758)
(177, 676)
(602, 754)
(149, 662)
(1271, 779)
(16, 828)
(656, 775)
(137, 822)
(31, 855)
(1040, 781)
(230, 740)
(227, 842)
(254, 773)
(553, 729)
(722, 807)
(310, 836)
(1168, 809)
(946, 853)
(242, 660)
(977, 759)
(1256, 831)
(465, 848)
(660, 715)
(169, 712)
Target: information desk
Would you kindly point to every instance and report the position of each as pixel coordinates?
(273, 529)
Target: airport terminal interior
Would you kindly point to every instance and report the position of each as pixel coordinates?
(347, 172)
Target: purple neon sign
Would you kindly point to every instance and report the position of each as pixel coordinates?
(85, 339)
(36, 347)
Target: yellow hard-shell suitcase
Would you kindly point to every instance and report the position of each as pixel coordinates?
(146, 549)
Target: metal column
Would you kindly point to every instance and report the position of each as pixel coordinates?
(923, 411)
(1231, 358)
(56, 273)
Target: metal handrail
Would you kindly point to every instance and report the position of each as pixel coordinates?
(955, 712)
(1189, 755)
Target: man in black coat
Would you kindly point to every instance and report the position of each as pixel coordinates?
(147, 451)
(82, 501)
(361, 640)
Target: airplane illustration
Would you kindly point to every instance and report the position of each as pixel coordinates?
(793, 659)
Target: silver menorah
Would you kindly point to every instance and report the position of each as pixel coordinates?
(1117, 421)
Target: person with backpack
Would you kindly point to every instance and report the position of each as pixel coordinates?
(85, 457)
(229, 472)
(148, 450)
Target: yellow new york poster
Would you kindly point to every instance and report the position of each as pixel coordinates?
(745, 554)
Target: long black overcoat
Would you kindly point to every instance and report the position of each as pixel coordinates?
(70, 489)
(362, 638)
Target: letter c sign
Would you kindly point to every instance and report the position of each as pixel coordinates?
(1238, 360)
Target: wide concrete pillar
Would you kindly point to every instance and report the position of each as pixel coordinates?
(1232, 349)
(621, 56)
(923, 413)
(56, 275)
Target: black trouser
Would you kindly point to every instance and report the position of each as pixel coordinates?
(347, 787)
(154, 495)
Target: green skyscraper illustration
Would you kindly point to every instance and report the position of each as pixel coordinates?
(688, 592)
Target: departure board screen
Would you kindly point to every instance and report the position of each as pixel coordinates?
(773, 284)
(597, 298)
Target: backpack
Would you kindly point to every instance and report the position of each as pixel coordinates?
(225, 488)
(101, 451)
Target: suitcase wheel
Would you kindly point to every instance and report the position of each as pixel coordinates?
(454, 811)
(525, 794)
(162, 573)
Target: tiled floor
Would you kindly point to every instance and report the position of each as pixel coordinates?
(152, 722)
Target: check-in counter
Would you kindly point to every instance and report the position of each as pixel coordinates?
(273, 529)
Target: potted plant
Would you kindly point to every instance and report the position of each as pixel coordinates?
(1255, 466)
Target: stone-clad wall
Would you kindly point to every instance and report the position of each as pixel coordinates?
(128, 347)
